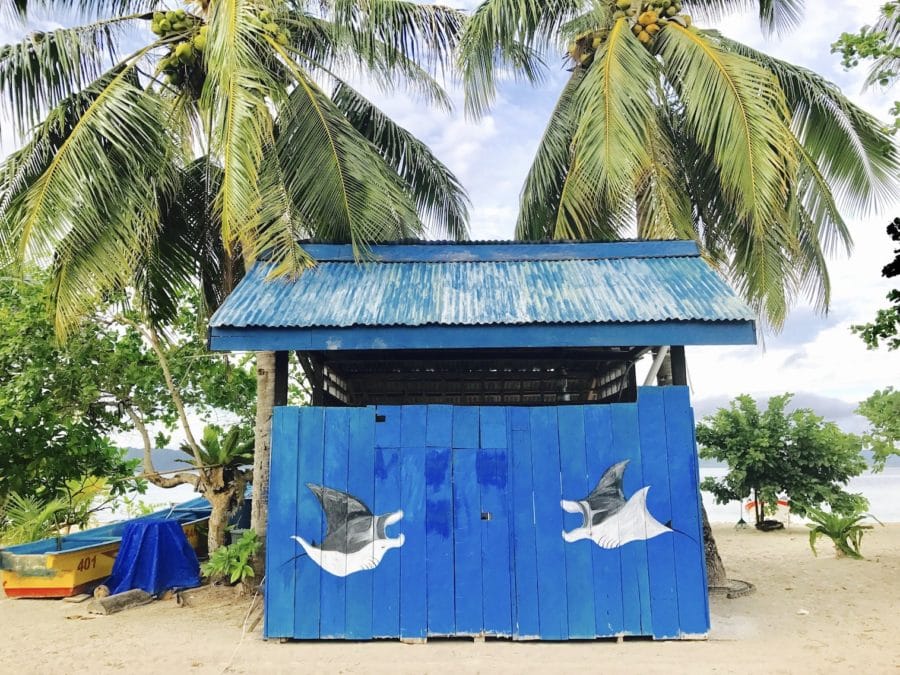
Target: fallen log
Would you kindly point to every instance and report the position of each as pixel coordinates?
(116, 603)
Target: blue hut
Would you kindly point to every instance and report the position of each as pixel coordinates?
(478, 458)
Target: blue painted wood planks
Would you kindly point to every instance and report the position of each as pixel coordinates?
(512, 524)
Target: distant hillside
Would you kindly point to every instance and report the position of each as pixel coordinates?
(164, 459)
(893, 461)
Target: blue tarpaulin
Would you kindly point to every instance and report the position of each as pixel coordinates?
(155, 556)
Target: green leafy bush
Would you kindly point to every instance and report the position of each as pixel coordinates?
(845, 531)
(233, 562)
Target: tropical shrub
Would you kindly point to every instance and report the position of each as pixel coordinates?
(773, 452)
(232, 562)
(25, 518)
(845, 531)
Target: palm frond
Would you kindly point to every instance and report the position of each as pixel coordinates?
(663, 200)
(92, 133)
(774, 15)
(235, 91)
(736, 110)
(507, 35)
(761, 271)
(44, 68)
(334, 176)
(88, 10)
(439, 197)
(852, 149)
(815, 196)
(326, 47)
(615, 129)
(423, 33)
(541, 194)
(186, 249)
(812, 268)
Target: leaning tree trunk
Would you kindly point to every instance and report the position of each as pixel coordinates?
(265, 400)
(218, 517)
(715, 570)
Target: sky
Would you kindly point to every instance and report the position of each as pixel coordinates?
(816, 357)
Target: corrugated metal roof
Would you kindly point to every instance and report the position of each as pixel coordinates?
(667, 286)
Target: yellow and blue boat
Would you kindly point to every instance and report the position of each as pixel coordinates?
(75, 563)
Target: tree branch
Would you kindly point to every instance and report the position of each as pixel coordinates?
(150, 472)
(152, 336)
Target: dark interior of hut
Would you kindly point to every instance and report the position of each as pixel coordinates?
(473, 376)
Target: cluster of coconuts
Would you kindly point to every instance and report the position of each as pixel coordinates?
(648, 17)
(177, 64)
(183, 54)
(582, 50)
(654, 15)
(265, 22)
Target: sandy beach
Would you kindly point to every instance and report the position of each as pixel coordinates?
(808, 615)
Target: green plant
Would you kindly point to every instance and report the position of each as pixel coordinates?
(26, 518)
(232, 562)
(773, 451)
(218, 448)
(845, 531)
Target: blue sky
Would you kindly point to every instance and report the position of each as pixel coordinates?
(815, 356)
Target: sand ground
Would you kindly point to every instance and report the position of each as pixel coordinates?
(808, 615)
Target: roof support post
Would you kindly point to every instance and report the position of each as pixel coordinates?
(281, 378)
(659, 355)
(679, 365)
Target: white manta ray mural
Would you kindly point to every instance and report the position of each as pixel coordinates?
(356, 539)
(610, 520)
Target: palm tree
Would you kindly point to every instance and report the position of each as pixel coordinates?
(227, 130)
(689, 134)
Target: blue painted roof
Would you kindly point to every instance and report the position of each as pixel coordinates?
(472, 284)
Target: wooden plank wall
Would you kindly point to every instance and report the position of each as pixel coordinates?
(480, 489)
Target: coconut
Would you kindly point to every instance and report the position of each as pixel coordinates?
(687, 19)
(271, 27)
(171, 16)
(199, 42)
(644, 36)
(184, 51)
(283, 37)
(653, 28)
(636, 28)
(647, 18)
(165, 26)
(154, 26)
(623, 4)
(618, 15)
(671, 11)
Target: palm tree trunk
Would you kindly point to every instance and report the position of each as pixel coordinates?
(715, 569)
(265, 400)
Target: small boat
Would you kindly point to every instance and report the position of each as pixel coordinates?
(59, 567)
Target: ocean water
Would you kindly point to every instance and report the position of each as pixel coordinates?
(881, 489)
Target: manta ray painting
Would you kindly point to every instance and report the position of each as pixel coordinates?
(609, 520)
(355, 539)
